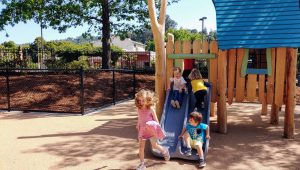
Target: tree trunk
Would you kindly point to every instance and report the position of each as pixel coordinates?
(106, 50)
(158, 29)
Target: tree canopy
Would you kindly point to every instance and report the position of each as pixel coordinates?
(118, 16)
(9, 44)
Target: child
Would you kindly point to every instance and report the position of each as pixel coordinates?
(198, 87)
(179, 85)
(193, 135)
(148, 126)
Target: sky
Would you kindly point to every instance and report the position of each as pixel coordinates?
(186, 13)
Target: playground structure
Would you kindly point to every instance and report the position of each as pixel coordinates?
(231, 78)
(173, 120)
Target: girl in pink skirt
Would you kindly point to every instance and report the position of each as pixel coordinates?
(148, 126)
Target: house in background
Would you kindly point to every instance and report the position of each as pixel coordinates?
(134, 55)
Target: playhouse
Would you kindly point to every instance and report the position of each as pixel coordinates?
(253, 59)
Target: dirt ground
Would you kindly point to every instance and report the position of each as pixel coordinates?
(106, 140)
(60, 92)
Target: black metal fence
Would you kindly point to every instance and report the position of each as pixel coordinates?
(69, 91)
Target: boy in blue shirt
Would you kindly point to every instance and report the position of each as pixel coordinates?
(193, 135)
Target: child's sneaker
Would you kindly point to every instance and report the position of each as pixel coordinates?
(141, 166)
(173, 103)
(166, 155)
(202, 163)
(177, 104)
(188, 152)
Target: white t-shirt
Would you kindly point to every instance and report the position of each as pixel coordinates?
(177, 82)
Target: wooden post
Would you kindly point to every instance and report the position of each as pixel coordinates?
(186, 47)
(213, 76)
(178, 50)
(197, 47)
(262, 95)
(213, 70)
(251, 87)
(280, 75)
(205, 47)
(274, 119)
(270, 88)
(231, 74)
(169, 64)
(222, 82)
(289, 124)
(158, 29)
(264, 109)
(240, 81)
(261, 88)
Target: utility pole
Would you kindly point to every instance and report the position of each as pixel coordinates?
(202, 19)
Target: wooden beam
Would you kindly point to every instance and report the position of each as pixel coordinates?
(264, 109)
(169, 62)
(274, 116)
(186, 47)
(213, 70)
(269, 61)
(222, 83)
(205, 47)
(251, 87)
(191, 56)
(245, 63)
(178, 50)
(231, 74)
(196, 48)
(240, 81)
(261, 88)
(289, 122)
(280, 75)
(270, 87)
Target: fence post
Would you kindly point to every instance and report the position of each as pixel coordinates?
(7, 89)
(114, 87)
(134, 83)
(81, 91)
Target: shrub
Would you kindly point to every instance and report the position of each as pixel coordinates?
(78, 64)
(55, 64)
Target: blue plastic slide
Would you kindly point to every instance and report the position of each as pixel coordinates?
(173, 120)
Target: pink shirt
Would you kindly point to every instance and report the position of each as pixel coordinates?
(144, 115)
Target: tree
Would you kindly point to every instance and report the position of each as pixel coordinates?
(10, 44)
(145, 35)
(184, 34)
(36, 45)
(116, 16)
(213, 35)
(158, 29)
(170, 23)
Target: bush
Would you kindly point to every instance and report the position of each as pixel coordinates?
(55, 64)
(78, 64)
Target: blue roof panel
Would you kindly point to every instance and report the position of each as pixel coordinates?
(258, 23)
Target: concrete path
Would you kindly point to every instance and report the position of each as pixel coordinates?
(107, 140)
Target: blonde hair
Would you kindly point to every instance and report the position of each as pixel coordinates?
(149, 97)
(195, 74)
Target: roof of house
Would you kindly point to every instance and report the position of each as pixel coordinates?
(258, 23)
(126, 44)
